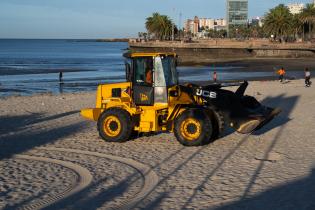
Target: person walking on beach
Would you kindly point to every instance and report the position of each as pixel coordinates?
(281, 73)
(60, 77)
(214, 76)
(307, 77)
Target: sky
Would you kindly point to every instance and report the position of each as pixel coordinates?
(90, 19)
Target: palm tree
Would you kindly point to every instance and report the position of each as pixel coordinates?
(160, 26)
(308, 17)
(297, 25)
(278, 22)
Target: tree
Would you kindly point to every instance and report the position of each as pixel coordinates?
(239, 31)
(212, 33)
(307, 17)
(297, 25)
(279, 22)
(160, 26)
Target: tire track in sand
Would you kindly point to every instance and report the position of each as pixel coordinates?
(84, 180)
(149, 176)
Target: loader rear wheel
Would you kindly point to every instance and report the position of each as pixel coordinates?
(114, 125)
(193, 128)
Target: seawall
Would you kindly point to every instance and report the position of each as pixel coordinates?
(213, 51)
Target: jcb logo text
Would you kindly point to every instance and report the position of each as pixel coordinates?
(206, 93)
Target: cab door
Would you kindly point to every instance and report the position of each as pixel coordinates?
(165, 76)
(143, 77)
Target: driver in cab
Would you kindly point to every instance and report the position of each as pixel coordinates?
(148, 76)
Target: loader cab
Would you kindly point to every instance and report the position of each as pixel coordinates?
(151, 74)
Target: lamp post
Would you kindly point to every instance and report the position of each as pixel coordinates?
(173, 26)
(179, 25)
(173, 31)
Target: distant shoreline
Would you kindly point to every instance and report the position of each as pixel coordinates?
(113, 40)
(76, 40)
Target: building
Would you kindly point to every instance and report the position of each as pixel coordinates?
(237, 12)
(192, 26)
(215, 24)
(206, 23)
(220, 24)
(189, 25)
(196, 25)
(296, 8)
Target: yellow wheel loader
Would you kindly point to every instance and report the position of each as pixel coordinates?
(152, 100)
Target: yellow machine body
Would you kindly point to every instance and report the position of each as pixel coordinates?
(151, 100)
(148, 115)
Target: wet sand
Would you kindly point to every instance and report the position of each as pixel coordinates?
(256, 64)
(51, 157)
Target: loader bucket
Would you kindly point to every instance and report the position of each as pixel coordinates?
(243, 113)
(253, 115)
(255, 122)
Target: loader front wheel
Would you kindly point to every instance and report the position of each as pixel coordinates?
(193, 128)
(114, 125)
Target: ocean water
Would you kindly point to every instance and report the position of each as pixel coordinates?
(33, 66)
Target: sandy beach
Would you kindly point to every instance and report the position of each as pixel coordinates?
(52, 158)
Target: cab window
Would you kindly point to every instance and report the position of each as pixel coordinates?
(165, 71)
(143, 68)
(170, 73)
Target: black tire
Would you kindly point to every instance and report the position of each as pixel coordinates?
(115, 125)
(193, 127)
(218, 123)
